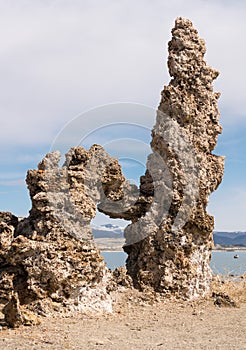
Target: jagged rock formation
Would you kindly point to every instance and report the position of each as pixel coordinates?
(49, 261)
(174, 255)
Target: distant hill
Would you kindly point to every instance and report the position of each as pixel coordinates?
(230, 238)
(225, 239)
(108, 231)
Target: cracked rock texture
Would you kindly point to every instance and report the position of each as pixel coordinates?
(169, 248)
(49, 261)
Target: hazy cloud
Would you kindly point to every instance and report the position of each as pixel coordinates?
(58, 58)
(12, 182)
(229, 208)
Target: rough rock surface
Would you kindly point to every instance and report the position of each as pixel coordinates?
(8, 224)
(49, 261)
(169, 248)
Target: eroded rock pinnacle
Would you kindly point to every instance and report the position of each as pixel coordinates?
(174, 255)
(49, 261)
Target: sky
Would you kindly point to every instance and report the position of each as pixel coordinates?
(68, 65)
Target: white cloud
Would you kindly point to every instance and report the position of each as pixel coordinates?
(101, 219)
(10, 175)
(12, 182)
(131, 163)
(129, 148)
(229, 207)
(29, 158)
(58, 58)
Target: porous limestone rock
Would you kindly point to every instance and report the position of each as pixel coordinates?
(8, 224)
(169, 247)
(15, 315)
(49, 261)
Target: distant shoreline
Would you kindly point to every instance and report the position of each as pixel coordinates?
(115, 245)
(106, 250)
(225, 249)
(229, 249)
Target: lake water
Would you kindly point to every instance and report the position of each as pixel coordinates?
(222, 262)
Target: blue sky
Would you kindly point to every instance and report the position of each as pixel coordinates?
(60, 59)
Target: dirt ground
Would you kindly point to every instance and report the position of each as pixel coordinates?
(138, 324)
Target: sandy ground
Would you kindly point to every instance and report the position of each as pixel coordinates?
(138, 324)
